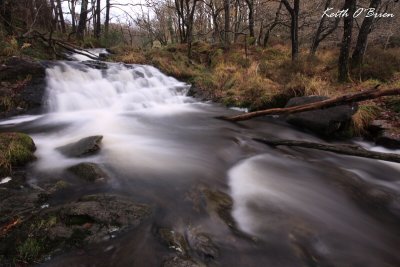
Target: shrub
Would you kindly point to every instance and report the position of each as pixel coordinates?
(379, 64)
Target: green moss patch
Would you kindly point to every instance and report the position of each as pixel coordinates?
(16, 149)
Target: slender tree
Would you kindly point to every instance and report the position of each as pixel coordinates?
(272, 25)
(107, 20)
(227, 26)
(61, 16)
(323, 30)
(362, 38)
(82, 20)
(250, 6)
(343, 65)
(97, 14)
(294, 25)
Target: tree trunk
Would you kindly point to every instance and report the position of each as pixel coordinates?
(250, 5)
(351, 150)
(107, 20)
(340, 100)
(98, 19)
(346, 41)
(73, 15)
(61, 16)
(317, 37)
(294, 26)
(227, 27)
(55, 17)
(273, 25)
(82, 20)
(362, 38)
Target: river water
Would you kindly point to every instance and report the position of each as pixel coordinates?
(294, 207)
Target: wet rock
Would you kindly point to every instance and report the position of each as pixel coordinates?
(389, 138)
(16, 150)
(89, 172)
(203, 245)
(138, 74)
(329, 122)
(108, 209)
(174, 240)
(22, 84)
(103, 56)
(84, 147)
(96, 64)
(385, 134)
(378, 201)
(181, 262)
(221, 204)
(29, 232)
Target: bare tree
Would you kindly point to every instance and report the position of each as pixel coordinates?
(82, 20)
(294, 25)
(343, 65)
(362, 38)
(324, 29)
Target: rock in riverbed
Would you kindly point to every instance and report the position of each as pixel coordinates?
(88, 171)
(84, 147)
(38, 230)
(328, 122)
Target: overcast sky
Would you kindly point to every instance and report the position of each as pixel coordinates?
(117, 11)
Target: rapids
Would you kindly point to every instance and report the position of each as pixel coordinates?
(295, 207)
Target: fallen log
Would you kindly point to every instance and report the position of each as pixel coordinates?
(335, 101)
(350, 150)
(52, 42)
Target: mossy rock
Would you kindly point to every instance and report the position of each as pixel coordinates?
(84, 147)
(16, 149)
(87, 171)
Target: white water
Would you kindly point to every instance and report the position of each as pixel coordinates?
(110, 103)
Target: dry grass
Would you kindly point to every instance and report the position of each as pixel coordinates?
(266, 78)
(365, 115)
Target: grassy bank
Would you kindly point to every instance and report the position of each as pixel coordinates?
(267, 78)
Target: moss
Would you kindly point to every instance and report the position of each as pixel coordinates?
(30, 250)
(16, 149)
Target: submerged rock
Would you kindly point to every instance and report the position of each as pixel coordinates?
(203, 245)
(108, 210)
(88, 171)
(174, 240)
(95, 64)
(181, 262)
(84, 147)
(328, 122)
(16, 150)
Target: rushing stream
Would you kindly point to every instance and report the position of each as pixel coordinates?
(295, 207)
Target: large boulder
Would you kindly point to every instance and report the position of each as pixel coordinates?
(22, 86)
(16, 150)
(328, 122)
(84, 147)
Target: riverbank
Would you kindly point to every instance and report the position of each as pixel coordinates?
(256, 78)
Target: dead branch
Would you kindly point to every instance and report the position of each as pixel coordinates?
(335, 101)
(351, 150)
